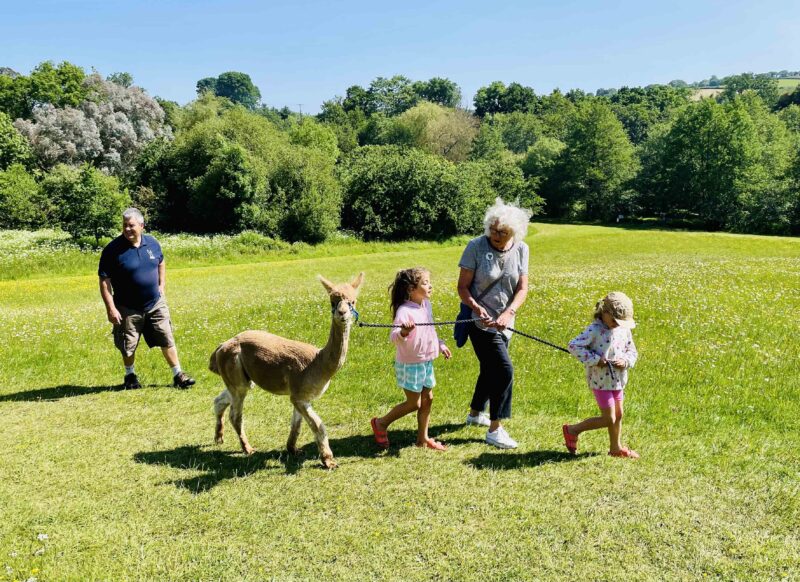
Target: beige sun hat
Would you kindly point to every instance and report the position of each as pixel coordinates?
(620, 307)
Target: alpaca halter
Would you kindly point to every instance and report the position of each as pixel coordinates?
(353, 311)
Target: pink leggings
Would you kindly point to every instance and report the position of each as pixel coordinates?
(607, 398)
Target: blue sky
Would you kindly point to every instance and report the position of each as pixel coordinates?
(304, 52)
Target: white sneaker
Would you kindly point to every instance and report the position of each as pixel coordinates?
(500, 439)
(479, 419)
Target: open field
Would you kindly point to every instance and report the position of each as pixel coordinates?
(101, 484)
(788, 85)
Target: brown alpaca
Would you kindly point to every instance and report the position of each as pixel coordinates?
(285, 367)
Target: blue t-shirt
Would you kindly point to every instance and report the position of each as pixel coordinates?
(133, 271)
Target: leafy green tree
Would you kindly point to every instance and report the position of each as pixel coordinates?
(596, 166)
(788, 99)
(489, 100)
(316, 136)
(206, 85)
(488, 144)
(556, 113)
(358, 99)
(60, 85)
(392, 96)
(88, 202)
(397, 193)
(22, 204)
(15, 96)
(497, 98)
(433, 128)
(233, 85)
(344, 124)
(232, 169)
(727, 163)
(121, 79)
(540, 160)
(519, 130)
(14, 148)
(439, 90)
(764, 86)
(791, 118)
(172, 112)
(638, 108)
(518, 98)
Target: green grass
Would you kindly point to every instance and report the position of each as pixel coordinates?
(788, 85)
(128, 485)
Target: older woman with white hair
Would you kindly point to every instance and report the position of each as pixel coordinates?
(493, 282)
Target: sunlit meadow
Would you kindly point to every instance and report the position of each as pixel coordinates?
(102, 484)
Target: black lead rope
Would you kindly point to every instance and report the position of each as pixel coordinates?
(511, 329)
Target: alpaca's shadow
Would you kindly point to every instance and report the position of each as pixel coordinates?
(508, 460)
(215, 464)
(218, 465)
(56, 393)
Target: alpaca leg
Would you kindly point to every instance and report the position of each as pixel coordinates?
(320, 434)
(221, 403)
(237, 405)
(294, 432)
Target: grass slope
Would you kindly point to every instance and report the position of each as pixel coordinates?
(101, 484)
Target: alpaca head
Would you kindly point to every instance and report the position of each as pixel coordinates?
(343, 297)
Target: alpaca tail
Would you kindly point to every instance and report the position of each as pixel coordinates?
(212, 363)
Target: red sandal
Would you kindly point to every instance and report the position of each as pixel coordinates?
(625, 453)
(381, 437)
(570, 440)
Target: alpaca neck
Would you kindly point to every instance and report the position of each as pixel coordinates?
(332, 356)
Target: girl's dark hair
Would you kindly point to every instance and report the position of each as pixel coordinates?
(404, 282)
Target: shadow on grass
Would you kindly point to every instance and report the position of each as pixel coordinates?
(509, 460)
(219, 465)
(56, 393)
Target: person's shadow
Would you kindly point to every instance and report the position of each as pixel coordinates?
(56, 393)
(219, 465)
(505, 460)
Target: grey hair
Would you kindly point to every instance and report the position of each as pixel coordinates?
(508, 215)
(132, 213)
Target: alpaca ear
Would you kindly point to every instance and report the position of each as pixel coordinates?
(325, 283)
(358, 280)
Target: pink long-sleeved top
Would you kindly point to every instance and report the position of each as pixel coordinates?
(422, 344)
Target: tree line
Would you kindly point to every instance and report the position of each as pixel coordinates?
(396, 159)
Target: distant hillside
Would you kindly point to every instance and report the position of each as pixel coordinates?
(785, 85)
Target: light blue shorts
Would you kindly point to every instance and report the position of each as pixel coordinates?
(415, 377)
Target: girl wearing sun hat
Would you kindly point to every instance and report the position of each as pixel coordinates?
(607, 350)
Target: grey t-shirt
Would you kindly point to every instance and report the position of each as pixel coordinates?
(488, 264)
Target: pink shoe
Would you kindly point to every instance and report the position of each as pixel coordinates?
(570, 440)
(381, 437)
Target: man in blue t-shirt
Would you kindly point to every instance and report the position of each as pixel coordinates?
(132, 278)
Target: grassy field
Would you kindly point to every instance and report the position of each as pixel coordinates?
(102, 484)
(788, 85)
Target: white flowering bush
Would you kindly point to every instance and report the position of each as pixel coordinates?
(108, 129)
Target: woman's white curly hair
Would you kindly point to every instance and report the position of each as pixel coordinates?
(508, 216)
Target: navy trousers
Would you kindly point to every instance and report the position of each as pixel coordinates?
(496, 377)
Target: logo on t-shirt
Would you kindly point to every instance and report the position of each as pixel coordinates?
(150, 254)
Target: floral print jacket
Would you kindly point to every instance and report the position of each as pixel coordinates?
(597, 341)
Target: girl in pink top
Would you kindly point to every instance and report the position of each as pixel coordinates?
(417, 347)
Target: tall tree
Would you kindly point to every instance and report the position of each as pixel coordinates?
(597, 164)
(440, 91)
(233, 85)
